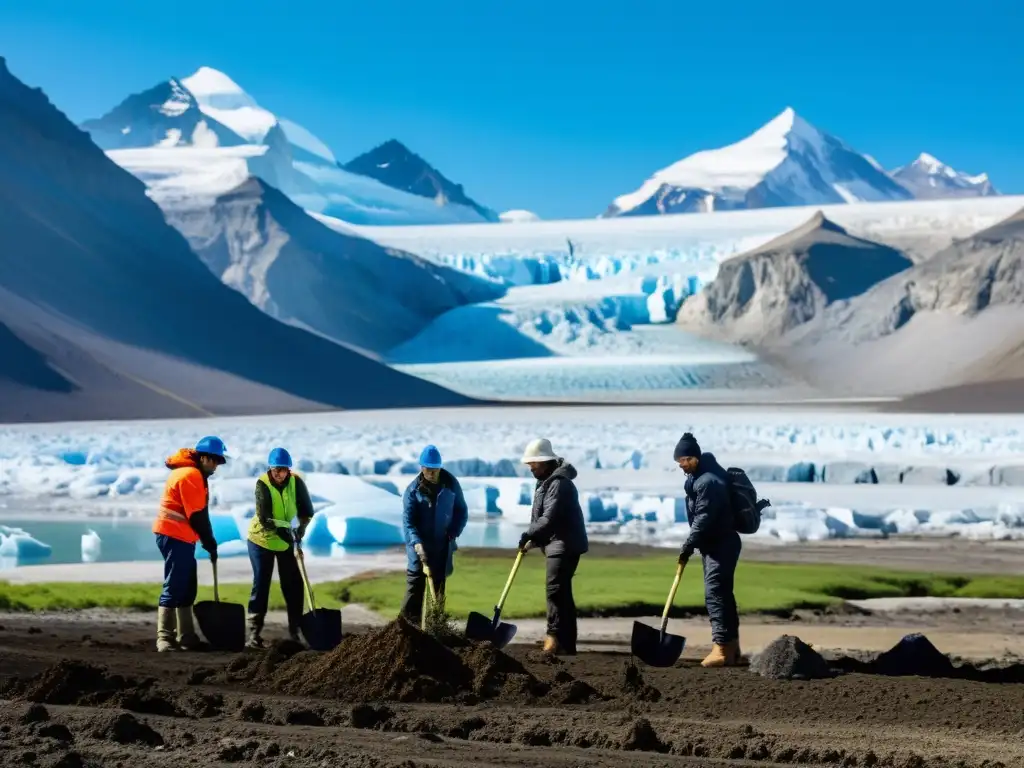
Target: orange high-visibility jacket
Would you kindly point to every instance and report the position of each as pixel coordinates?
(185, 493)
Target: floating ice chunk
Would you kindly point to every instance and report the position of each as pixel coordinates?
(20, 545)
(358, 531)
(91, 546)
(232, 548)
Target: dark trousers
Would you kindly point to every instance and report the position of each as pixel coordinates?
(180, 578)
(288, 574)
(719, 581)
(561, 604)
(415, 586)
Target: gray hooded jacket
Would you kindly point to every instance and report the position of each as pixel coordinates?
(557, 524)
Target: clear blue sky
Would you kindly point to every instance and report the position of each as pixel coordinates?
(558, 106)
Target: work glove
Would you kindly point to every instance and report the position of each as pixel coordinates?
(287, 535)
(212, 552)
(684, 557)
(420, 552)
(524, 542)
(300, 534)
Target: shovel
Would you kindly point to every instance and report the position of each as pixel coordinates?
(655, 647)
(492, 629)
(433, 596)
(320, 626)
(222, 624)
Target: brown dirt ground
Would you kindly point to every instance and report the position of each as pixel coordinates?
(96, 694)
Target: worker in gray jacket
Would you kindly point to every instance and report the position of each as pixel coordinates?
(558, 528)
(713, 532)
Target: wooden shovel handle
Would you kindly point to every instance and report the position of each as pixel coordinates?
(671, 597)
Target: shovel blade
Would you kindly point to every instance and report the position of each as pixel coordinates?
(222, 624)
(486, 629)
(322, 628)
(653, 648)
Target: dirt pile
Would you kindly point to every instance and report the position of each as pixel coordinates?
(790, 658)
(635, 685)
(72, 682)
(914, 655)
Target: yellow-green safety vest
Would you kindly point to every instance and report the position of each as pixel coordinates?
(284, 511)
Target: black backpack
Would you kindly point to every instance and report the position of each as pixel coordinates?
(746, 509)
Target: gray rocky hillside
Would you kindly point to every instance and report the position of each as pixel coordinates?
(759, 296)
(958, 316)
(303, 272)
(975, 274)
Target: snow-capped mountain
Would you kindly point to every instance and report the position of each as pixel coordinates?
(394, 164)
(787, 162)
(109, 313)
(167, 115)
(179, 115)
(929, 178)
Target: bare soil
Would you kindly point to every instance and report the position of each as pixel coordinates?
(77, 694)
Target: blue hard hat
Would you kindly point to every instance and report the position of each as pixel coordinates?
(430, 457)
(279, 457)
(212, 445)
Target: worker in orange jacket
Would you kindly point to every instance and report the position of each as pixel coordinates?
(183, 520)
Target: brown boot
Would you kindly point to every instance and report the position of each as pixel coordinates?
(717, 658)
(550, 645)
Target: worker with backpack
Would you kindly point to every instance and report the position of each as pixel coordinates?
(720, 504)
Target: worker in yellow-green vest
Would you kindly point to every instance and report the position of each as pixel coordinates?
(281, 497)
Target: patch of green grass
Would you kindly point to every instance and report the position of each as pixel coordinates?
(617, 586)
(604, 586)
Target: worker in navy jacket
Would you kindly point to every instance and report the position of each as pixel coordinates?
(434, 516)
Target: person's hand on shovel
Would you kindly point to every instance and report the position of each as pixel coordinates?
(420, 552)
(524, 543)
(287, 535)
(684, 558)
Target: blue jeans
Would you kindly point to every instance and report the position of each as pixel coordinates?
(719, 584)
(263, 573)
(180, 578)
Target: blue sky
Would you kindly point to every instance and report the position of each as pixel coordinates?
(560, 106)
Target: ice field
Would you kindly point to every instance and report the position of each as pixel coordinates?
(829, 473)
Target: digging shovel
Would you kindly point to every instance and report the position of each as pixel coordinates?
(433, 595)
(492, 629)
(222, 624)
(655, 647)
(320, 626)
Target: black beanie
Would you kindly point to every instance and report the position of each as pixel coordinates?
(687, 446)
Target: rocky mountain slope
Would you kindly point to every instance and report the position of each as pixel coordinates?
(300, 271)
(102, 289)
(957, 318)
(394, 164)
(167, 115)
(759, 296)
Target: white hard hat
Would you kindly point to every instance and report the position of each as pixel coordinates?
(539, 450)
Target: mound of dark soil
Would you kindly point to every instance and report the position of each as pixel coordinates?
(73, 682)
(635, 686)
(498, 675)
(397, 662)
(640, 736)
(914, 655)
(125, 729)
(790, 658)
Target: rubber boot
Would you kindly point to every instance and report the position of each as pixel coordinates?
(165, 625)
(188, 640)
(294, 635)
(255, 639)
(734, 653)
(717, 658)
